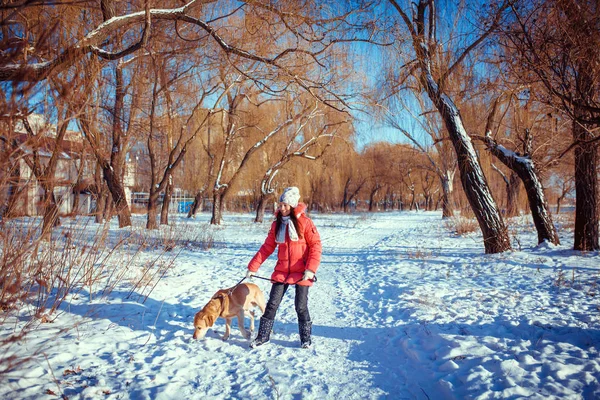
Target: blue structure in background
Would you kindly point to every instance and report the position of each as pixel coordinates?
(184, 206)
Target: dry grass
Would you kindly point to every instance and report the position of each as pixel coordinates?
(169, 237)
(461, 225)
(419, 254)
(37, 276)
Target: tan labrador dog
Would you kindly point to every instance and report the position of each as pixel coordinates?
(229, 303)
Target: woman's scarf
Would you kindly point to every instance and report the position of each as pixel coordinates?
(285, 222)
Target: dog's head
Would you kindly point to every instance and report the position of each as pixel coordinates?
(202, 323)
(204, 319)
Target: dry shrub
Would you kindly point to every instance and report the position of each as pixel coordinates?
(139, 209)
(169, 237)
(38, 275)
(461, 225)
(419, 254)
(565, 221)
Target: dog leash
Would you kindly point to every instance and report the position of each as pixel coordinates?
(236, 285)
(259, 277)
(269, 279)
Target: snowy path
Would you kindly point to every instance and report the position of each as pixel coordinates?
(402, 309)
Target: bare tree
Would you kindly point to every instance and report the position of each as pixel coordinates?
(300, 141)
(527, 170)
(233, 126)
(110, 150)
(432, 71)
(555, 44)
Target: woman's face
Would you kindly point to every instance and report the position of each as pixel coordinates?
(284, 209)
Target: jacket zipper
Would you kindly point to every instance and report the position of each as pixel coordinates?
(289, 253)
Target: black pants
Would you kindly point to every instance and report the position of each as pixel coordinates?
(301, 301)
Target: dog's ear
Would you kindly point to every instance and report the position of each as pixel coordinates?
(210, 319)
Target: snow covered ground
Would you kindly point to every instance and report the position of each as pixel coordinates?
(402, 309)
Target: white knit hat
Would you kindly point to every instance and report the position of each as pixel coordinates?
(290, 196)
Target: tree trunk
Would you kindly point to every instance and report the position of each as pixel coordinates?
(263, 201)
(372, 197)
(151, 222)
(100, 206)
(109, 204)
(524, 167)
(217, 212)
(428, 201)
(51, 218)
(512, 195)
(586, 192)
(75, 209)
(101, 194)
(539, 207)
(413, 203)
(196, 205)
(345, 200)
(477, 191)
(13, 190)
(447, 188)
(118, 196)
(164, 212)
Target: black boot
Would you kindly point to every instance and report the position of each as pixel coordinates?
(305, 328)
(264, 332)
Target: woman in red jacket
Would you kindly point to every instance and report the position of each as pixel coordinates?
(298, 259)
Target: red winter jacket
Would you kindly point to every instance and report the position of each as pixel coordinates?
(293, 258)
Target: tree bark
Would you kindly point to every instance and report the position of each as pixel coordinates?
(512, 195)
(586, 192)
(217, 211)
(164, 213)
(51, 218)
(372, 196)
(263, 202)
(13, 190)
(447, 189)
(151, 221)
(196, 205)
(118, 196)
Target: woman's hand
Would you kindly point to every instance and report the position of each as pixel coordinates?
(250, 274)
(308, 275)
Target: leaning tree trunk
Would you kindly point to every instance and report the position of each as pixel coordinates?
(118, 196)
(164, 212)
(263, 201)
(475, 186)
(586, 192)
(525, 168)
(512, 195)
(372, 196)
(197, 204)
